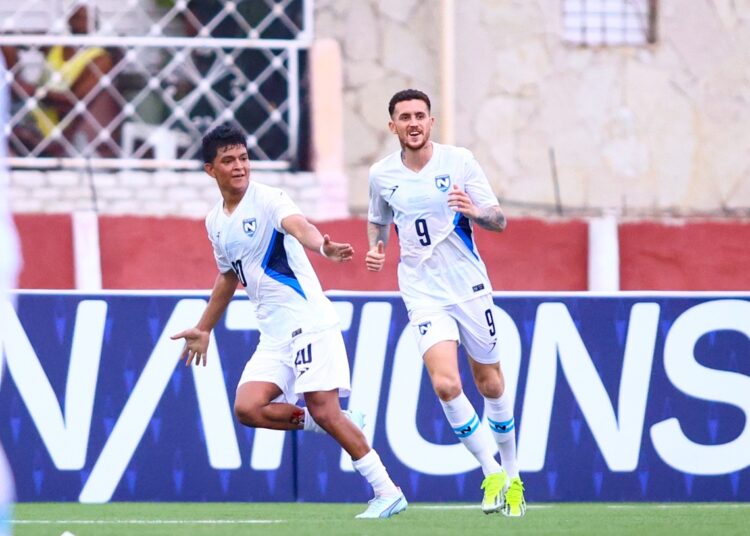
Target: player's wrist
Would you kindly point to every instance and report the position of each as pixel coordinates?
(322, 251)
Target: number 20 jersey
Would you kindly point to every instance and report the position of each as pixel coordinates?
(440, 263)
(272, 265)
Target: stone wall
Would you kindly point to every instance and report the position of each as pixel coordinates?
(642, 131)
(653, 130)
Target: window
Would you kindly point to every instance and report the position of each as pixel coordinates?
(609, 22)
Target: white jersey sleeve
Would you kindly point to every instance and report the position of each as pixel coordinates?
(280, 206)
(476, 184)
(222, 263)
(379, 212)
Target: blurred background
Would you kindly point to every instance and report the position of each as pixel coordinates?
(613, 131)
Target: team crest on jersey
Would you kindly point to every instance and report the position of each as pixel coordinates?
(249, 226)
(443, 182)
(423, 327)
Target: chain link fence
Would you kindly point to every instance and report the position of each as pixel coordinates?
(118, 83)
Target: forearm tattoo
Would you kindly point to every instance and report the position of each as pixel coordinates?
(376, 232)
(492, 219)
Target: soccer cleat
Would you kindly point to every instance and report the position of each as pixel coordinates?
(384, 506)
(357, 417)
(494, 486)
(515, 504)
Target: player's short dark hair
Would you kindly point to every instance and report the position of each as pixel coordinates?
(222, 136)
(405, 95)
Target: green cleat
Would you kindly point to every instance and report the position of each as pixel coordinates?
(515, 504)
(494, 486)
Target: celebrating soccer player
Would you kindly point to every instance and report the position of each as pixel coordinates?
(258, 235)
(433, 193)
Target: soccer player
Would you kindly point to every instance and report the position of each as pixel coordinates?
(258, 235)
(434, 193)
(9, 265)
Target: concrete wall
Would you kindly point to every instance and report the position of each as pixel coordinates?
(649, 130)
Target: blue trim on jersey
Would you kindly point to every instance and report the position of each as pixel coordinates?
(463, 230)
(467, 429)
(501, 427)
(276, 265)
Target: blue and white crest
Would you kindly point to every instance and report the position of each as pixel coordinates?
(249, 226)
(443, 182)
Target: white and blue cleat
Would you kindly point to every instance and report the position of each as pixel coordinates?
(357, 417)
(385, 506)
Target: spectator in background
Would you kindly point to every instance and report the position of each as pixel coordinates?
(9, 264)
(71, 75)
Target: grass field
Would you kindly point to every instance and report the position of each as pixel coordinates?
(290, 519)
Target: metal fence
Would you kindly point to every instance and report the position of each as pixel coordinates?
(114, 83)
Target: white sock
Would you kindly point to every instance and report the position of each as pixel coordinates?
(466, 425)
(500, 418)
(370, 467)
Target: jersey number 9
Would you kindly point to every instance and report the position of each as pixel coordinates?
(422, 232)
(490, 321)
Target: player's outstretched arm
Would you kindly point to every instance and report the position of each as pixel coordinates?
(309, 236)
(490, 218)
(196, 338)
(377, 235)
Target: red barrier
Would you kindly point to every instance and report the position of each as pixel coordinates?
(692, 256)
(528, 255)
(47, 249)
(155, 253)
(174, 253)
(536, 255)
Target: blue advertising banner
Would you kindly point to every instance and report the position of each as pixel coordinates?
(629, 397)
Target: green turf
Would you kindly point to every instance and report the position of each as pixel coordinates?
(229, 519)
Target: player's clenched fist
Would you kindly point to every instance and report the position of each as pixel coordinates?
(375, 258)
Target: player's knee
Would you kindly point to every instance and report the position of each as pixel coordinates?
(491, 388)
(489, 381)
(447, 388)
(247, 414)
(323, 415)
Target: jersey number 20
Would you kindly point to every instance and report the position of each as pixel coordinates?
(237, 267)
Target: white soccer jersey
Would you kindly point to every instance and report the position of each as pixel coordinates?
(440, 263)
(270, 264)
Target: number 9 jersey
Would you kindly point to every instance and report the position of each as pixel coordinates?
(440, 264)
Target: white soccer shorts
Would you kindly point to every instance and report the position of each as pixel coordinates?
(308, 363)
(471, 323)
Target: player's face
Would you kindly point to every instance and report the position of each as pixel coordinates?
(230, 168)
(412, 123)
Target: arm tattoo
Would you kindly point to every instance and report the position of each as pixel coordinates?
(376, 232)
(492, 219)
